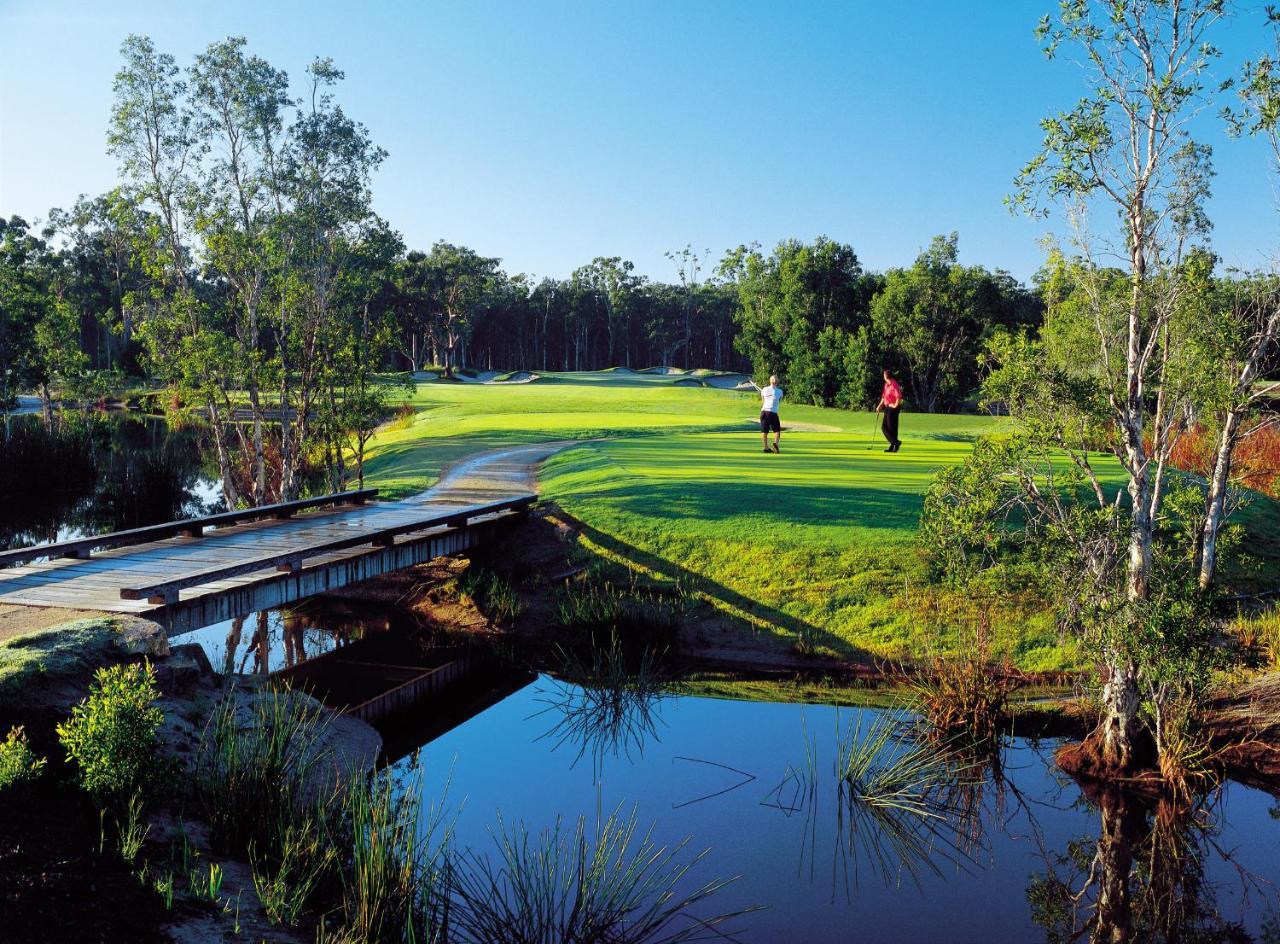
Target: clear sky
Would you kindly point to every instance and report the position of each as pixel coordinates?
(549, 133)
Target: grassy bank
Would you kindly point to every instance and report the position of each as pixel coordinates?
(816, 545)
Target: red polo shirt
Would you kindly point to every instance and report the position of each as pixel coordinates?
(892, 395)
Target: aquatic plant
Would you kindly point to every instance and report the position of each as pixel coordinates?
(612, 883)
(897, 797)
(252, 766)
(113, 734)
(396, 864)
(18, 763)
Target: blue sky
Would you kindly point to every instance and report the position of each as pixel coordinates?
(549, 133)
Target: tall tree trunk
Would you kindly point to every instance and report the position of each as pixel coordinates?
(46, 406)
(1215, 501)
(229, 492)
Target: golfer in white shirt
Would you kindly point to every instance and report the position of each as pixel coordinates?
(770, 397)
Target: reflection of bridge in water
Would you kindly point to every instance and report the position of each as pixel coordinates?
(413, 686)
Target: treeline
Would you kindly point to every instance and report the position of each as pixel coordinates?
(240, 266)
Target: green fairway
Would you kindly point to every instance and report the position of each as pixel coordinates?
(815, 545)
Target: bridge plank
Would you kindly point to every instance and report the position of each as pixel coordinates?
(82, 546)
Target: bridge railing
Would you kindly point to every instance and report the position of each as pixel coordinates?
(166, 591)
(81, 548)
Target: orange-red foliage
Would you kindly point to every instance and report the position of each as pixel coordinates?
(1256, 464)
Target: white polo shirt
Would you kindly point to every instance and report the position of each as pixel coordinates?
(770, 397)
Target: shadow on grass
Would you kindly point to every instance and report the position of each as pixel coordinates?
(821, 505)
(727, 599)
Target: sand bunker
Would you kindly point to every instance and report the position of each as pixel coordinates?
(515, 377)
(687, 382)
(662, 370)
(424, 375)
(729, 382)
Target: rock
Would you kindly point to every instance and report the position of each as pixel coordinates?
(343, 747)
(186, 665)
(139, 637)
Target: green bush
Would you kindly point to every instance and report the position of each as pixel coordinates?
(18, 762)
(113, 734)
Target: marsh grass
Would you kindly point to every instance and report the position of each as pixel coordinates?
(963, 696)
(634, 614)
(252, 768)
(288, 881)
(396, 865)
(612, 883)
(493, 594)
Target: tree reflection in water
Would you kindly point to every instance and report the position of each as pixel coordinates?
(1144, 877)
(98, 472)
(606, 703)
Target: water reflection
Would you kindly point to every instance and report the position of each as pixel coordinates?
(843, 827)
(1147, 876)
(606, 702)
(97, 472)
(271, 640)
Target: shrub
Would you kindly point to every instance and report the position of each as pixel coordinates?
(18, 763)
(113, 734)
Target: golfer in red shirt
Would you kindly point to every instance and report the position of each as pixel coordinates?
(890, 403)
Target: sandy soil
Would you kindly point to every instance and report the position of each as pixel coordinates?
(17, 620)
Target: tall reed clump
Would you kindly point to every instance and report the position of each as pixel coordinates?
(253, 767)
(964, 697)
(612, 883)
(897, 796)
(395, 866)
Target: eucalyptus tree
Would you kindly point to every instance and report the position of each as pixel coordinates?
(929, 322)
(153, 137)
(608, 286)
(34, 326)
(1245, 344)
(689, 264)
(326, 166)
(791, 298)
(238, 103)
(98, 236)
(415, 336)
(1124, 152)
(459, 279)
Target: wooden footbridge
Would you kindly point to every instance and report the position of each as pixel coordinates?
(192, 573)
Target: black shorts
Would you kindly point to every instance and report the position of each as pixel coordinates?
(769, 422)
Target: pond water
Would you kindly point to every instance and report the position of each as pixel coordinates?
(1025, 855)
(98, 472)
(754, 782)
